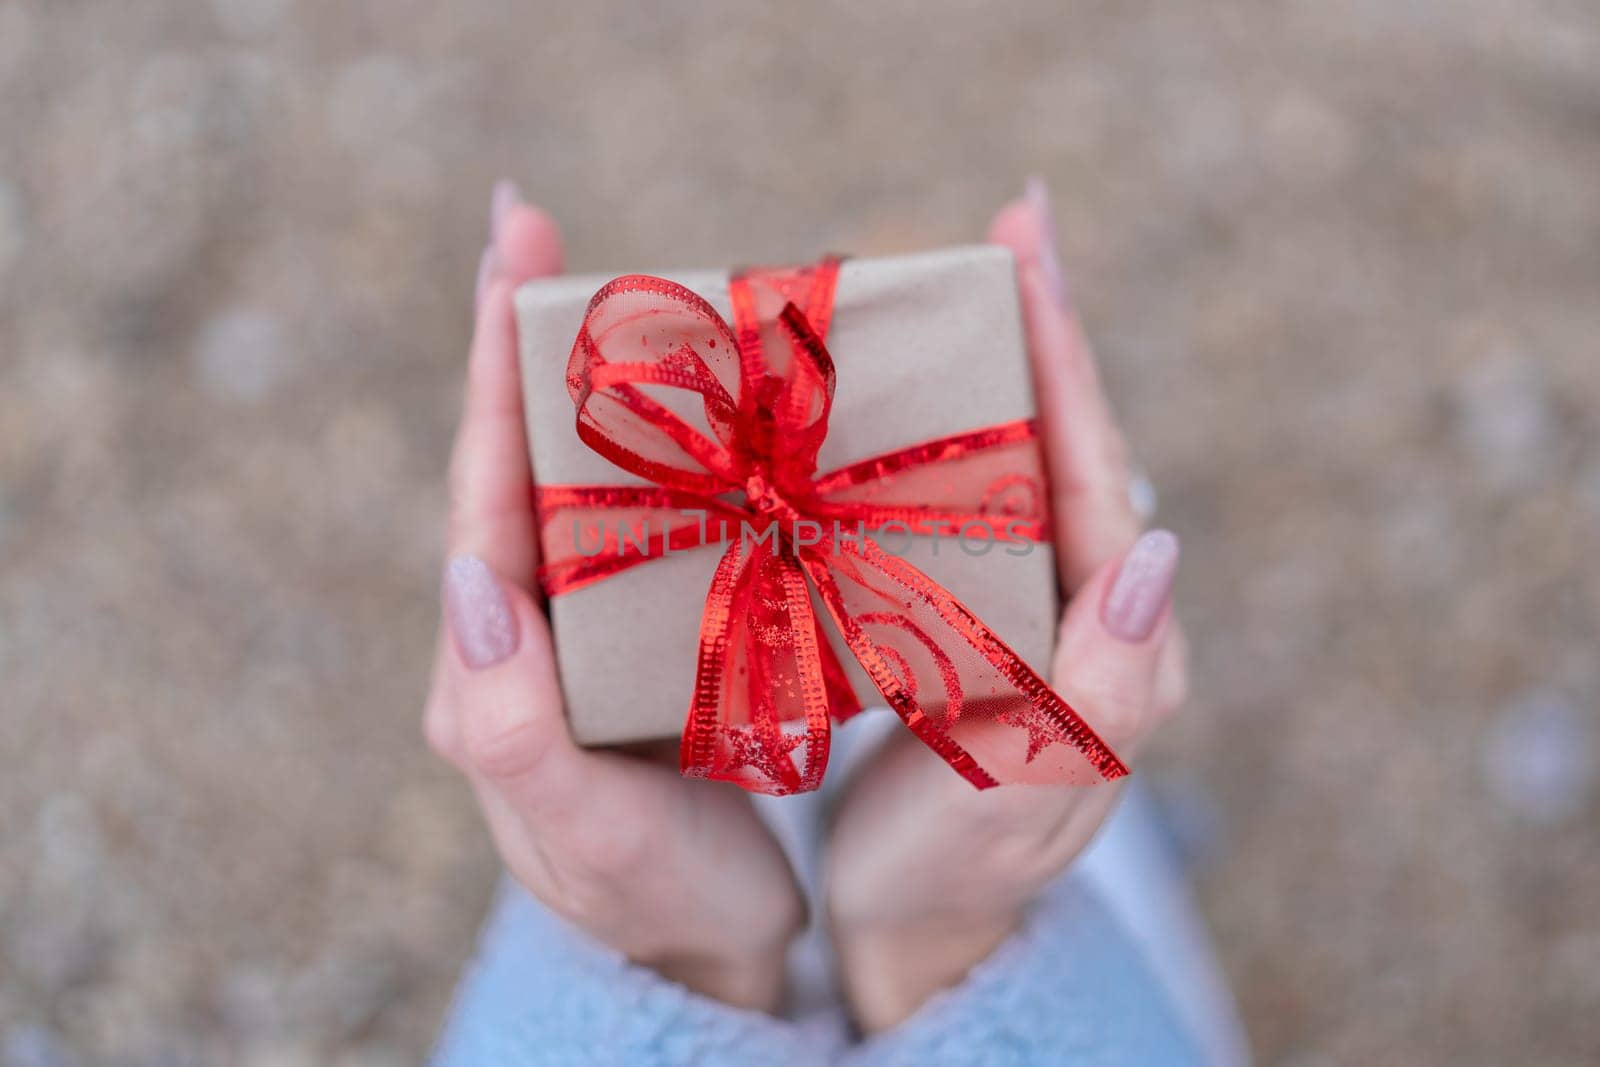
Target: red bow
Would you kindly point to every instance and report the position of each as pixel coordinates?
(727, 423)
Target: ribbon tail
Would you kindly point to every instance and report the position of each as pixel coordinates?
(951, 679)
(761, 692)
(842, 702)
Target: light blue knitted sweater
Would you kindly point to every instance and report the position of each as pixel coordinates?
(1071, 988)
(1112, 967)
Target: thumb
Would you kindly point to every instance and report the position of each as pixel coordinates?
(510, 729)
(1113, 637)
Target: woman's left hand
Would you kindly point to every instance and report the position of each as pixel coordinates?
(678, 875)
(926, 876)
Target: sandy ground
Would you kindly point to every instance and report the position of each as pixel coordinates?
(1340, 261)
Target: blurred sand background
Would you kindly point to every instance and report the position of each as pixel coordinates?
(1341, 262)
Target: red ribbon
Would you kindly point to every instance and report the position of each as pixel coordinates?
(726, 423)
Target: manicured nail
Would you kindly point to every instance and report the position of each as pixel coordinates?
(506, 196)
(487, 264)
(1143, 588)
(480, 616)
(1038, 198)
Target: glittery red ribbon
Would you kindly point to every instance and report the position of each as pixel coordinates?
(726, 423)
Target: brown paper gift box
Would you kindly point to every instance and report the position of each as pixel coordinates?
(924, 345)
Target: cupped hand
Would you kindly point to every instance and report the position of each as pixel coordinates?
(678, 875)
(926, 876)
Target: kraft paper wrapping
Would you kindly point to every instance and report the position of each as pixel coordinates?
(924, 345)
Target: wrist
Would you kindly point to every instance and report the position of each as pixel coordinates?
(729, 947)
(889, 969)
(753, 979)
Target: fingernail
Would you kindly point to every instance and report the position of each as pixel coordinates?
(1143, 588)
(506, 196)
(1037, 195)
(487, 264)
(480, 616)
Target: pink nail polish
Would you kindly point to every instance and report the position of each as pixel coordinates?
(506, 196)
(1143, 587)
(1037, 195)
(480, 616)
(488, 263)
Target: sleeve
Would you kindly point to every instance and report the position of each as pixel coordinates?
(1069, 988)
(541, 992)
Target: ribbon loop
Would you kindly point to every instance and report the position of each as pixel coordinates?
(655, 377)
(788, 373)
(728, 422)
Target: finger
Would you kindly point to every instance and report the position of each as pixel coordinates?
(526, 241)
(1114, 637)
(491, 510)
(490, 472)
(1084, 450)
(510, 732)
(491, 480)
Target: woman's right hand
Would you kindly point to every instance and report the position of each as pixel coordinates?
(926, 876)
(679, 875)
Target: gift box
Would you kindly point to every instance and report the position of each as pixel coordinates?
(923, 348)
